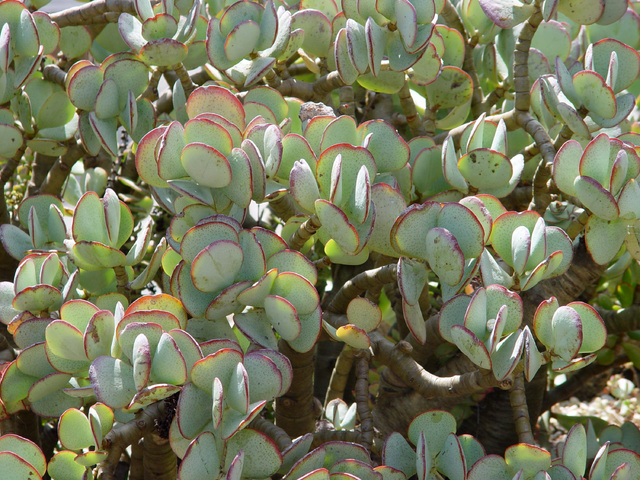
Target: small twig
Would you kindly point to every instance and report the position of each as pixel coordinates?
(324, 262)
(429, 121)
(521, 418)
(54, 74)
(347, 101)
(521, 81)
(340, 375)
(362, 399)
(410, 112)
(185, 80)
(304, 232)
(359, 284)
(122, 281)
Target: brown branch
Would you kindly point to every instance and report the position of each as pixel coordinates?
(321, 263)
(541, 194)
(295, 410)
(620, 321)
(304, 232)
(340, 375)
(359, 284)
(83, 14)
(6, 173)
(136, 462)
(520, 410)
(54, 74)
(121, 436)
(424, 382)
(283, 207)
(159, 461)
(61, 169)
(362, 399)
(521, 60)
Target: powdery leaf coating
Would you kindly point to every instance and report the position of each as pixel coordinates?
(528, 457)
(201, 460)
(436, 425)
(506, 13)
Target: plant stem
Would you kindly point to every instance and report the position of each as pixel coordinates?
(159, 461)
(340, 374)
(83, 14)
(295, 412)
(61, 169)
(359, 284)
(185, 80)
(121, 436)
(520, 410)
(521, 81)
(410, 112)
(362, 399)
(347, 101)
(304, 232)
(397, 358)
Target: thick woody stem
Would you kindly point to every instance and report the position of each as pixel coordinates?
(410, 111)
(397, 358)
(541, 195)
(520, 410)
(295, 412)
(6, 173)
(326, 84)
(83, 14)
(304, 232)
(362, 399)
(61, 169)
(340, 375)
(324, 262)
(159, 461)
(151, 92)
(359, 284)
(283, 207)
(429, 121)
(121, 436)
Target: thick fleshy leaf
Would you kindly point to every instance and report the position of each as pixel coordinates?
(594, 93)
(444, 255)
(353, 336)
(112, 380)
(201, 460)
(216, 266)
(506, 13)
(604, 238)
(436, 425)
(471, 346)
(567, 331)
(15, 466)
(485, 168)
(530, 458)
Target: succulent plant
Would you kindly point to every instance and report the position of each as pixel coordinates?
(444, 188)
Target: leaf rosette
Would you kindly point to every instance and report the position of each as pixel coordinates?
(485, 327)
(603, 177)
(568, 331)
(483, 165)
(245, 40)
(532, 250)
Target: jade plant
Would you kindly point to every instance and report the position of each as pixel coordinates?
(316, 239)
